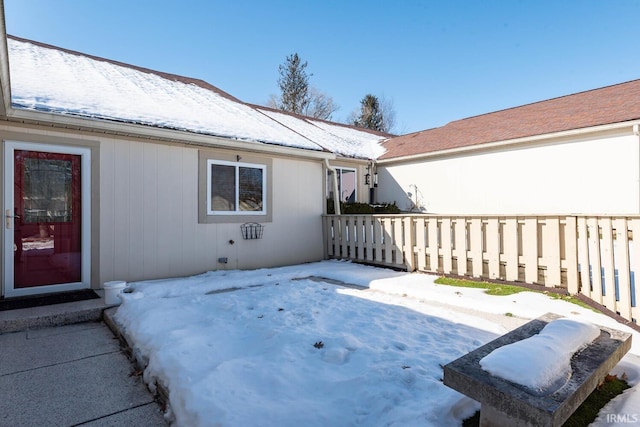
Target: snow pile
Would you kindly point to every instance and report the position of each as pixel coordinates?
(542, 361)
(283, 347)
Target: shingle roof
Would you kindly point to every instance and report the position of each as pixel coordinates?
(607, 105)
(87, 86)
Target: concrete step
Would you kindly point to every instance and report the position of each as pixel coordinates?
(52, 315)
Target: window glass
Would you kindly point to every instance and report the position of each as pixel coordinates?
(236, 188)
(48, 186)
(251, 189)
(223, 188)
(347, 185)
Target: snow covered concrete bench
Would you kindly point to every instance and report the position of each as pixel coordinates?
(504, 402)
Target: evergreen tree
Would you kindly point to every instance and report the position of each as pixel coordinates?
(370, 116)
(297, 96)
(294, 85)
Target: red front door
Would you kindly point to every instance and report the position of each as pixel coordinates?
(47, 219)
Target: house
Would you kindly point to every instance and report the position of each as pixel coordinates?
(576, 154)
(115, 172)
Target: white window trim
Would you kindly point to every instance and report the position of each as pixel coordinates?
(237, 166)
(355, 171)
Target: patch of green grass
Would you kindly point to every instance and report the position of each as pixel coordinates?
(491, 288)
(504, 290)
(571, 299)
(588, 411)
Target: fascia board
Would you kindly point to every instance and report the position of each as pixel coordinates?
(167, 135)
(509, 143)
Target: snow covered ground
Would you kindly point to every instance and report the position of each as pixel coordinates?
(282, 348)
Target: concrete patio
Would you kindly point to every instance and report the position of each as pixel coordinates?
(60, 365)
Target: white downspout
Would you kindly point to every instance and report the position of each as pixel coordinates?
(336, 200)
(636, 132)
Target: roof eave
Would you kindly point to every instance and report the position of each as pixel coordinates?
(121, 129)
(5, 84)
(509, 142)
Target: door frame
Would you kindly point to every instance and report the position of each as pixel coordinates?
(8, 289)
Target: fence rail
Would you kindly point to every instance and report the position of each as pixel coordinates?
(593, 255)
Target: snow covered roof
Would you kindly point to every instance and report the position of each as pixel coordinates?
(87, 86)
(335, 137)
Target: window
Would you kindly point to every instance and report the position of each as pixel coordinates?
(235, 188)
(47, 185)
(346, 185)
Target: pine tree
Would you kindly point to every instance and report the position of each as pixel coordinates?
(297, 96)
(294, 85)
(370, 116)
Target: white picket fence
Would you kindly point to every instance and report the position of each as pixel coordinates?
(593, 255)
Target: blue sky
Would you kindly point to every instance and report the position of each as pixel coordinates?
(436, 61)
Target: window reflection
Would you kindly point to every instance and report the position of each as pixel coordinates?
(236, 187)
(346, 185)
(47, 191)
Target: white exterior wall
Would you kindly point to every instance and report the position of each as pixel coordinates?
(596, 175)
(149, 216)
(145, 210)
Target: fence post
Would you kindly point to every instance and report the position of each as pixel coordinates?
(595, 274)
(409, 243)
(387, 232)
(359, 234)
(510, 248)
(445, 243)
(377, 238)
(330, 236)
(421, 244)
(570, 239)
(608, 265)
(461, 245)
(530, 249)
(369, 238)
(623, 303)
(551, 251)
(583, 257)
(344, 236)
(351, 235)
(398, 237)
(634, 255)
(493, 247)
(433, 244)
(475, 246)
